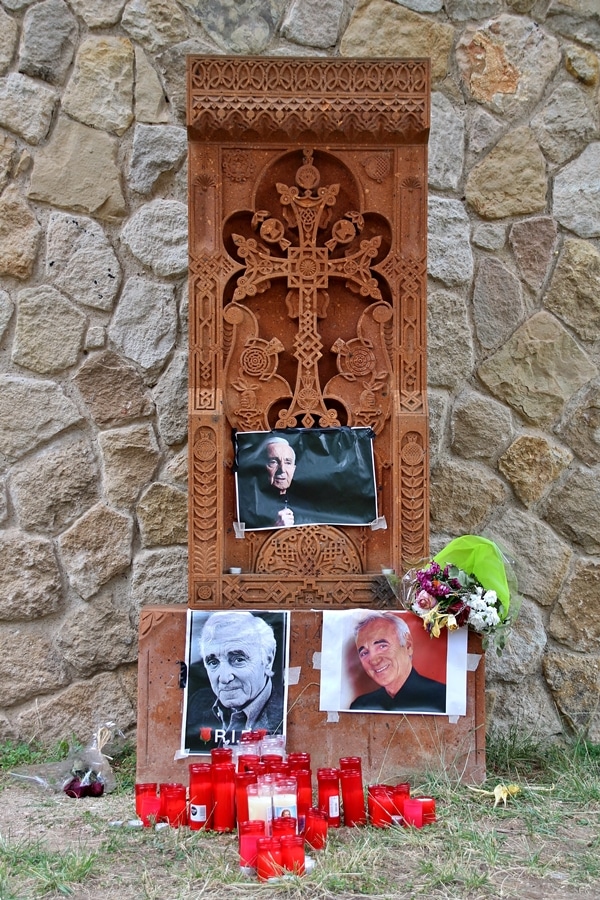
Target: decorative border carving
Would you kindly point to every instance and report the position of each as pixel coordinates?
(364, 100)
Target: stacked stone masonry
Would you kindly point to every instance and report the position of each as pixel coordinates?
(93, 325)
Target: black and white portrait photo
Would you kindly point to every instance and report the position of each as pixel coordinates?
(236, 665)
(312, 476)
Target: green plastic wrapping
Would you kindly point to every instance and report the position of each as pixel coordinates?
(482, 558)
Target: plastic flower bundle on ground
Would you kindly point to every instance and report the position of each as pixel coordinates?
(465, 584)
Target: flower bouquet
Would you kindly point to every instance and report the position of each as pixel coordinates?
(465, 584)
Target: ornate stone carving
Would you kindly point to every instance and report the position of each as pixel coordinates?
(307, 308)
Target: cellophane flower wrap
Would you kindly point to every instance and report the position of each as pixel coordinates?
(465, 584)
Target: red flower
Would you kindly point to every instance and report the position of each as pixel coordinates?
(205, 734)
(460, 611)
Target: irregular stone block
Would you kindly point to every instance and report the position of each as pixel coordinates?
(533, 242)
(109, 697)
(526, 541)
(170, 396)
(438, 405)
(30, 665)
(99, 15)
(462, 10)
(505, 63)
(7, 308)
(144, 325)
(449, 362)
(581, 424)
(582, 65)
(450, 257)
(484, 131)
(97, 636)
(7, 156)
(480, 426)
(531, 464)
(130, 456)
(96, 548)
(155, 24)
(150, 101)
(156, 149)
(380, 28)
(162, 515)
(113, 390)
(570, 622)
(157, 236)
(510, 180)
(48, 41)
(49, 332)
(160, 576)
(30, 582)
(19, 234)
(44, 411)
(9, 32)
(489, 236)
(52, 489)
(498, 306)
(238, 27)
(572, 509)
(574, 292)
(26, 107)
(566, 124)
(81, 262)
(530, 710)
(463, 496)
(539, 368)
(100, 89)
(524, 649)
(574, 680)
(577, 194)
(177, 468)
(314, 23)
(77, 170)
(446, 144)
(576, 19)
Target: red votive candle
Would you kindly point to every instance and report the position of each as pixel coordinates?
(328, 792)
(353, 798)
(428, 807)
(201, 796)
(304, 791)
(242, 780)
(163, 788)
(315, 830)
(149, 809)
(248, 834)
(351, 762)
(413, 812)
(221, 755)
(247, 762)
(298, 761)
(268, 858)
(381, 806)
(292, 853)
(174, 804)
(141, 789)
(400, 793)
(223, 781)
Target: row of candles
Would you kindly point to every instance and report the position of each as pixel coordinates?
(269, 798)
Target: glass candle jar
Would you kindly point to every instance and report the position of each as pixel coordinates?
(242, 780)
(144, 788)
(315, 830)
(428, 807)
(292, 854)
(247, 762)
(223, 783)
(400, 793)
(351, 762)
(285, 797)
(248, 834)
(283, 825)
(268, 858)
(260, 804)
(174, 804)
(328, 792)
(221, 755)
(298, 761)
(381, 806)
(273, 743)
(353, 797)
(304, 794)
(413, 812)
(201, 796)
(149, 809)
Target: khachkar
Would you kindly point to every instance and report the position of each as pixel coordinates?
(307, 309)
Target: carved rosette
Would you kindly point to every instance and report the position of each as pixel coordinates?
(314, 550)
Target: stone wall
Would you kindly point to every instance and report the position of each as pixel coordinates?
(93, 332)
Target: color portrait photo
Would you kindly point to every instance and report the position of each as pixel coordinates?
(384, 661)
(236, 666)
(305, 476)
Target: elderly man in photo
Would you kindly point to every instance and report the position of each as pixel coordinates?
(238, 651)
(385, 650)
(280, 463)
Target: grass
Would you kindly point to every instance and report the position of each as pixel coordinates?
(546, 842)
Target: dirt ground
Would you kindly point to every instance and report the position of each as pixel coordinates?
(133, 863)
